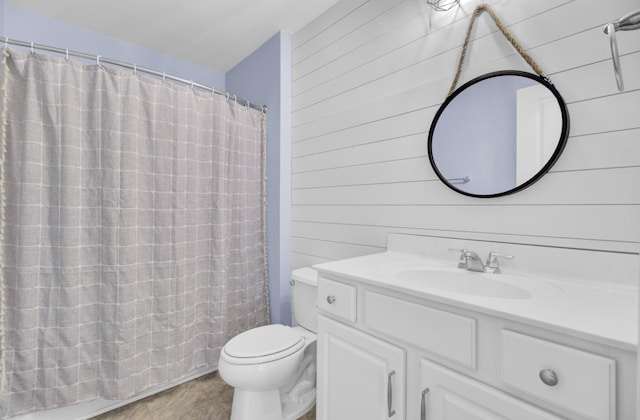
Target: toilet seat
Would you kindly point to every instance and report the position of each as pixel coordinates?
(263, 344)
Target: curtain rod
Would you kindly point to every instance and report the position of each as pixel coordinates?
(135, 68)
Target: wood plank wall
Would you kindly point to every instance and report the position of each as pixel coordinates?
(369, 75)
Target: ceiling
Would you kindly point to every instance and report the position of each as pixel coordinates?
(216, 34)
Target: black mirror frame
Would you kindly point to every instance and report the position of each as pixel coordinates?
(554, 157)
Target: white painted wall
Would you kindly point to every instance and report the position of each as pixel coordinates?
(369, 75)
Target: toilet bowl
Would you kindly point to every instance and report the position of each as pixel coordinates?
(272, 368)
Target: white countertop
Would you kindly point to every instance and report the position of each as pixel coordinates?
(607, 315)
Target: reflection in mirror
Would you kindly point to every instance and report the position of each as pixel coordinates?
(498, 134)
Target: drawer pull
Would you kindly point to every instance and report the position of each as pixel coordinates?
(423, 404)
(390, 411)
(331, 299)
(549, 377)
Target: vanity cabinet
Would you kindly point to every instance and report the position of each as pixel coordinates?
(386, 354)
(359, 376)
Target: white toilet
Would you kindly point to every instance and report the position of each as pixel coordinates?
(273, 368)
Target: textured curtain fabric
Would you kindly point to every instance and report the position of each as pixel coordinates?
(133, 232)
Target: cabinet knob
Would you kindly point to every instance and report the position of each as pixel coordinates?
(331, 299)
(549, 377)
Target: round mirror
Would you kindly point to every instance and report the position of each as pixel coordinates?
(498, 133)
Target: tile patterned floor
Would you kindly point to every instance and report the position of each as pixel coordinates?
(205, 398)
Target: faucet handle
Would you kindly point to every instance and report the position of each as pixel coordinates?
(464, 253)
(492, 261)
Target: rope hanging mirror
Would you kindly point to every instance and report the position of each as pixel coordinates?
(500, 132)
(503, 29)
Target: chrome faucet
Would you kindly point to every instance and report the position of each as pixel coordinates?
(471, 261)
(462, 262)
(492, 262)
(474, 263)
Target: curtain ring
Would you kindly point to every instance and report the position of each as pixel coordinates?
(135, 69)
(32, 50)
(164, 78)
(191, 84)
(227, 96)
(98, 60)
(66, 54)
(6, 42)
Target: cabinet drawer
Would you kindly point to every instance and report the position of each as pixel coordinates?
(444, 334)
(337, 299)
(585, 382)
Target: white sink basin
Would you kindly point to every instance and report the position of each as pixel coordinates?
(462, 282)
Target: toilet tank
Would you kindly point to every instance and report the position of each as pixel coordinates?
(305, 298)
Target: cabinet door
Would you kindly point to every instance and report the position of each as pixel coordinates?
(446, 395)
(359, 376)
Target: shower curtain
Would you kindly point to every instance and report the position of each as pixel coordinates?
(132, 232)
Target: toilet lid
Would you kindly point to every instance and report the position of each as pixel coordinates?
(266, 343)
